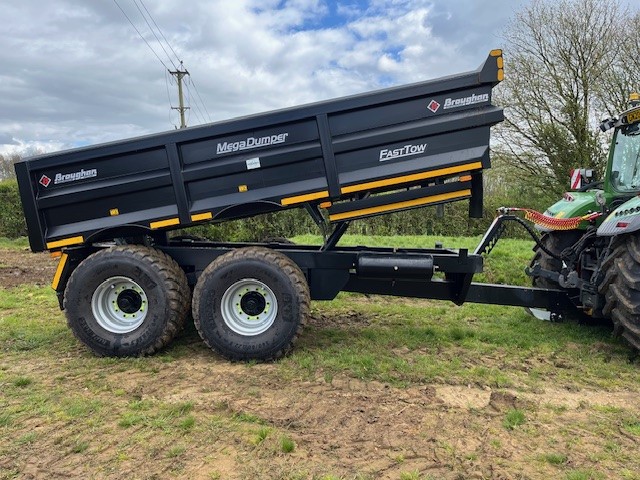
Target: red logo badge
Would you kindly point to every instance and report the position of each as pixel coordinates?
(45, 181)
(433, 106)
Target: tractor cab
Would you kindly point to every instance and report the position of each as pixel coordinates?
(623, 172)
(625, 162)
(622, 178)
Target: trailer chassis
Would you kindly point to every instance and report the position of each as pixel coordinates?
(438, 273)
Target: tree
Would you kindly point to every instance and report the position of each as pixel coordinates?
(559, 56)
(624, 75)
(6, 165)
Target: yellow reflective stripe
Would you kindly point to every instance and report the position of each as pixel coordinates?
(495, 53)
(410, 178)
(65, 242)
(399, 205)
(304, 198)
(198, 217)
(61, 264)
(165, 223)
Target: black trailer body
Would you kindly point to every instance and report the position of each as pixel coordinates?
(125, 284)
(433, 136)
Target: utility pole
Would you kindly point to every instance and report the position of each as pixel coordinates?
(179, 74)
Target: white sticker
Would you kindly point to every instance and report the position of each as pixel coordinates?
(253, 163)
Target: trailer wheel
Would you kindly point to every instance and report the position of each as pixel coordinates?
(555, 242)
(251, 304)
(620, 287)
(126, 301)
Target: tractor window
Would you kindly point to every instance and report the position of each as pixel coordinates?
(625, 171)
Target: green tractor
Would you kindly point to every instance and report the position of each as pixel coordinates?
(591, 242)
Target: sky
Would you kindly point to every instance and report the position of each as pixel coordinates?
(76, 72)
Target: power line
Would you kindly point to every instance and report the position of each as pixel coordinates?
(197, 110)
(154, 34)
(138, 31)
(178, 72)
(159, 30)
(203, 104)
(166, 81)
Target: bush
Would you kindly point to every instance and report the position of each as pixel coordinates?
(12, 224)
(420, 221)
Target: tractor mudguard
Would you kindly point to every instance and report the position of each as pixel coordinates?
(624, 219)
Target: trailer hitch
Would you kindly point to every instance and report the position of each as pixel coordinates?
(538, 271)
(497, 228)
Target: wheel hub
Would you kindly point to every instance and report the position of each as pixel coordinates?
(249, 307)
(253, 303)
(129, 301)
(119, 305)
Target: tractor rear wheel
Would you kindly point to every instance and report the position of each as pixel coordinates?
(555, 242)
(620, 287)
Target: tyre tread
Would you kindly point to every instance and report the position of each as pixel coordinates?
(267, 255)
(621, 288)
(176, 285)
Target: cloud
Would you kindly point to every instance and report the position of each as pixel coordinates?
(6, 139)
(76, 72)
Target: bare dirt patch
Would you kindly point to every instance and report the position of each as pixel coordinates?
(23, 267)
(341, 426)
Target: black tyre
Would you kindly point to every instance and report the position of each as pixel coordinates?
(251, 304)
(127, 301)
(555, 242)
(620, 287)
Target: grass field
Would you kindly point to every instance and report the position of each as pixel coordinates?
(377, 387)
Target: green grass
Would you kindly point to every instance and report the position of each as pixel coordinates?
(505, 264)
(287, 445)
(261, 435)
(22, 381)
(582, 474)
(14, 244)
(513, 419)
(633, 427)
(57, 397)
(555, 458)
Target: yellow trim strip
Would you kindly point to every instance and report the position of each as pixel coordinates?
(165, 223)
(396, 206)
(495, 53)
(304, 198)
(198, 217)
(65, 243)
(411, 178)
(61, 264)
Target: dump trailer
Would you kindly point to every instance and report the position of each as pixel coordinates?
(127, 286)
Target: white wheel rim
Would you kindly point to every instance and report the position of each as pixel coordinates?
(249, 307)
(119, 305)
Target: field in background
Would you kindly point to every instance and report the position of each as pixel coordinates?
(377, 387)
